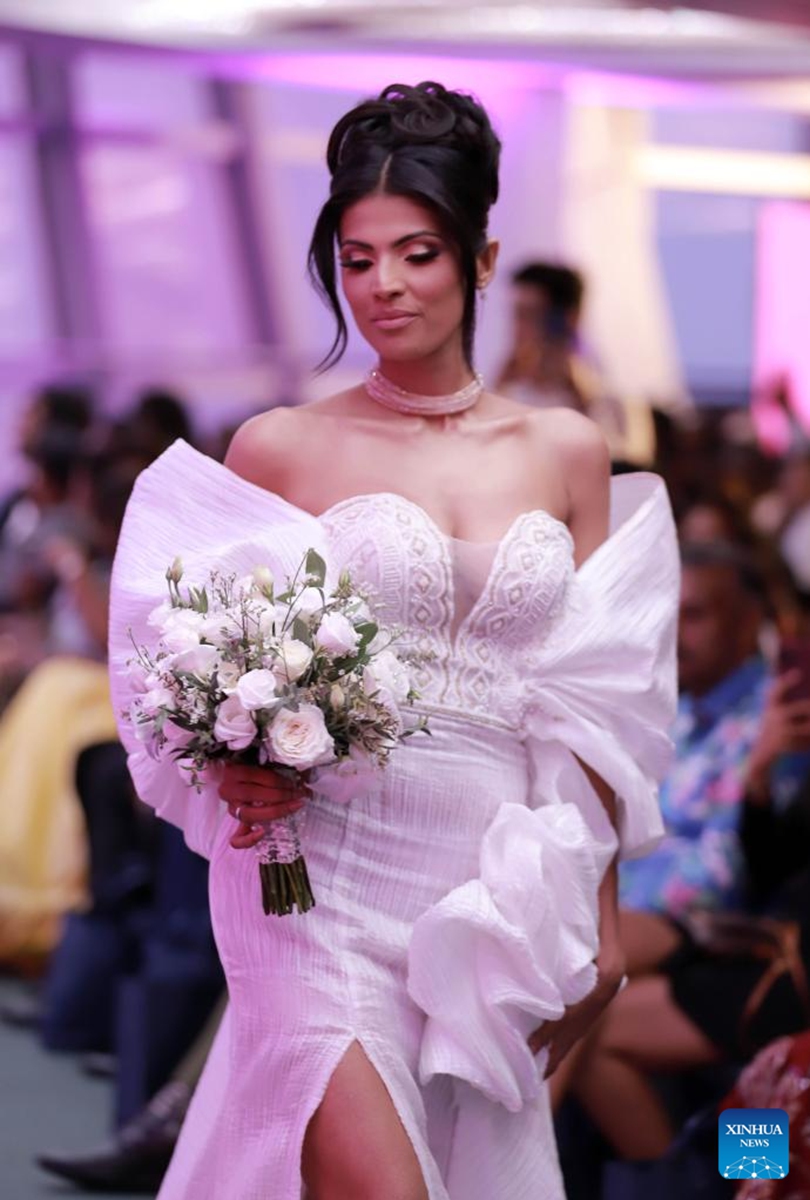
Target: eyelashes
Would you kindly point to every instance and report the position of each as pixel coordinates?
(421, 258)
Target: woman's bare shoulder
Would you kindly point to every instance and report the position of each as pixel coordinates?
(577, 439)
(268, 448)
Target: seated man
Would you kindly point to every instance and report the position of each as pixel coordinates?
(724, 690)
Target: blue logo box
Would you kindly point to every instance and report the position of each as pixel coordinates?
(752, 1143)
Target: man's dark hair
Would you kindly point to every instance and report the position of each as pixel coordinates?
(739, 559)
(564, 286)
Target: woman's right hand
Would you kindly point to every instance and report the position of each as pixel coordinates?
(255, 795)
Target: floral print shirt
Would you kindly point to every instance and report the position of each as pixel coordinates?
(699, 862)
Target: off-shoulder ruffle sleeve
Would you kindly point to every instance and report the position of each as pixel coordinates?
(189, 505)
(507, 951)
(512, 948)
(603, 685)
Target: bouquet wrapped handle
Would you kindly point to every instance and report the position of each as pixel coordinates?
(282, 867)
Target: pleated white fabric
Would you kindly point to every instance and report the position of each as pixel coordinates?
(457, 903)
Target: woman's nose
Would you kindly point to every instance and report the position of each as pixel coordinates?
(388, 280)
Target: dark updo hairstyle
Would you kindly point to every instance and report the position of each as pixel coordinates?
(434, 146)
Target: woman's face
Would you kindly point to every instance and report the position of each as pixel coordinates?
(401, 278)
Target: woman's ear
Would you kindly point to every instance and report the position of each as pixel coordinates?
(485, 263)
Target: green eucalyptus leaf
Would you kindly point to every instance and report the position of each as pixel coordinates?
(301, 631)
(315, 568)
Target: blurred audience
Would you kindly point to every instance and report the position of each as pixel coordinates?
(546, 366)
(779, 1077)
(789, 518)
(727, 988)
(723, 689)
(58, 560)
(62, 707)
(157, 419)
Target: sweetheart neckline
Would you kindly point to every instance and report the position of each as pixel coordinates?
(447, 537)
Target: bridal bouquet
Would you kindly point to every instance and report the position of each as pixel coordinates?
(300, 679)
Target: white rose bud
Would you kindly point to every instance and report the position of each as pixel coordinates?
(263, 578)
(234, 725)
(293, 660)
(336, 635)
(337, 696)
(256, 689)
(299, 739)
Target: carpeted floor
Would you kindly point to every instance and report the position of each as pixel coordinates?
(46, 1103)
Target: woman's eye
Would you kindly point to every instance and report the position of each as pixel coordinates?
(355, 264)
(423, 256)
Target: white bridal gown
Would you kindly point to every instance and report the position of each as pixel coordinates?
(457, 903)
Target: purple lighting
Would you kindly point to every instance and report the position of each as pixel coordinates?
(781, 346)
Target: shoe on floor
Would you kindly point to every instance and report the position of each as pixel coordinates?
(135, 1159)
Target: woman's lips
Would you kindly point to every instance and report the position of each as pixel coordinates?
(395, 321)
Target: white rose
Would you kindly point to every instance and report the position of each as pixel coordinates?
(310, 601)
(299, 739)
(256, 689)
(336, 635)
(217, 627)
(293, 660)
(160, 615)
(200, 660)
(156, 698)
(385, 673)
(349, 779)
(182, 630)
(234, 725)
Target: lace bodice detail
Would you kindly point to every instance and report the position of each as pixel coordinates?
(464, 659)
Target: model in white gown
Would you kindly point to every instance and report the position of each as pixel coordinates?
(457, 903)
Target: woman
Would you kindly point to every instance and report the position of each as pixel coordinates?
(382, 1045)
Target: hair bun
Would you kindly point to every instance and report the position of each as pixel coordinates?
(421, 113)
(406, 115)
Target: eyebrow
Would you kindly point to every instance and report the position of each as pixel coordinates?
(409, 237)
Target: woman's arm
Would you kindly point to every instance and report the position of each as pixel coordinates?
(586, 463)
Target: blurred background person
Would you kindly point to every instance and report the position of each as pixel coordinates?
(546, 366)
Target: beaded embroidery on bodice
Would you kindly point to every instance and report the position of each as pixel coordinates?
(397, 553)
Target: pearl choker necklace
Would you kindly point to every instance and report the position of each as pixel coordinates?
(390, 396)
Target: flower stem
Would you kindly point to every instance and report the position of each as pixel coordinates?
(285, 886)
